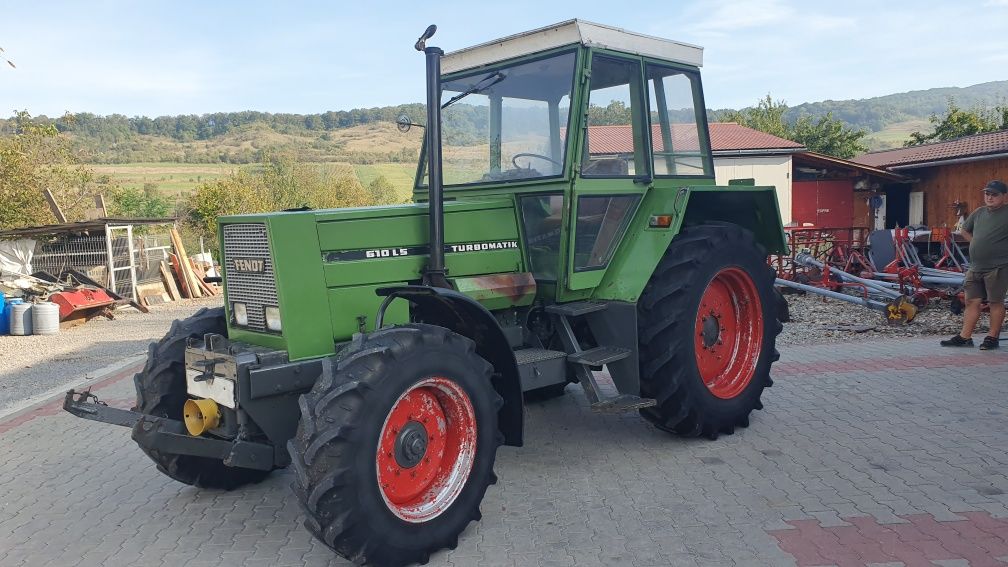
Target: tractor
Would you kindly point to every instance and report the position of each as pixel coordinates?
(565, 220)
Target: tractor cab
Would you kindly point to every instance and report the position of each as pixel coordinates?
(577, 121)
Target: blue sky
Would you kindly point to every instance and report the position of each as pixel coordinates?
(154, 58)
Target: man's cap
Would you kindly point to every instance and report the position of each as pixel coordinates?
(996, 186)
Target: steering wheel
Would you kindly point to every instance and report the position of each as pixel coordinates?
(514, 160)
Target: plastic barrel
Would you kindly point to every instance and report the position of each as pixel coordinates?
(20, 319)
(4, 317)
(45, 318)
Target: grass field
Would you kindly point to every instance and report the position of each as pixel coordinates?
(400, 175)
(894, 135)
(179, 179)
(173, 179)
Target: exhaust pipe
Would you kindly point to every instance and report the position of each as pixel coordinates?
(200, 416)
(434, 273)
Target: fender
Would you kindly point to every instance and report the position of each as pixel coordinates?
(457, 312)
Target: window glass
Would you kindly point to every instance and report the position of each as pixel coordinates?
(601, 221)
(614, 147)
(542, 216)
(506, 124)
(675, 138)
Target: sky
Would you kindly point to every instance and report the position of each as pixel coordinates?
(153, 58)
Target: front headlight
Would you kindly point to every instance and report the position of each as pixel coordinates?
(273, 318)
(240, 314)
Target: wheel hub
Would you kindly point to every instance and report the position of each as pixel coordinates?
(710, 330)
(411, 445)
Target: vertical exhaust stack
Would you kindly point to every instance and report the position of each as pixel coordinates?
(434, 273)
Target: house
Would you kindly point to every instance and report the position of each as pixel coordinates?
(811, 188)
(830, 192)
(739, 153)
(947, 177)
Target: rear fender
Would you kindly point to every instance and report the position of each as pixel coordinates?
(753, 208)
(460, 314)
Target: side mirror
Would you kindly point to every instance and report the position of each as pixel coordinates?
(403, 123)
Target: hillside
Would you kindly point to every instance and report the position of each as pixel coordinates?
(878, 113)
(173, 154)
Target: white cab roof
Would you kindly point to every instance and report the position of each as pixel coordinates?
(569, 33)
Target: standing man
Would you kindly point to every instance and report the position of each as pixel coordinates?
(987, 232)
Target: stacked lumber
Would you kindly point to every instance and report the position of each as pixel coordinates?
(182, 265)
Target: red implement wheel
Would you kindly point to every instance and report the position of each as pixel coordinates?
(707, 323)
(396, 446)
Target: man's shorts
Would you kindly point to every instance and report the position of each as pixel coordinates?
(990, 284)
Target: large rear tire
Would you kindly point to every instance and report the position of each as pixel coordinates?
(161, 391)
(707, 328)
(395, 451)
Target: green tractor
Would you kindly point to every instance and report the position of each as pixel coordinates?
(566, 219)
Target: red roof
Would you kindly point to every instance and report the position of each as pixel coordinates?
(920, 156)
(725, 137)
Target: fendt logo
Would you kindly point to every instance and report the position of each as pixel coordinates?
(250, 265)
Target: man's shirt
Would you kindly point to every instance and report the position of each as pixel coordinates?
(989, 247)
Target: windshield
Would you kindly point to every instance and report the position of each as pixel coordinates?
(505, 124)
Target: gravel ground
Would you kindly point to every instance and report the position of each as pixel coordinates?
(812, 315)
(34, 364)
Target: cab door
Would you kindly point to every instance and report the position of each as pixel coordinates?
(614, 171)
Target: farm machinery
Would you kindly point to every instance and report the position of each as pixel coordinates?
(383, 353)
(881, 270)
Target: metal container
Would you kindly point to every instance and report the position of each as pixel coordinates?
(20, 319)
(45, 318)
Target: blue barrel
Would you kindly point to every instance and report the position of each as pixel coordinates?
(4, 316)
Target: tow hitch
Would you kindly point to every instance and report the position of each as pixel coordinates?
(169, 435)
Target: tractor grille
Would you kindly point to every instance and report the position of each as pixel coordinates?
(256, 289)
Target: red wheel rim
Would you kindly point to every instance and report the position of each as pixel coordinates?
(729, 332)
(426, 449)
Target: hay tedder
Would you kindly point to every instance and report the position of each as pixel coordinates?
(566, 219)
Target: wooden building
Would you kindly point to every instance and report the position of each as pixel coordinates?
(947, 177)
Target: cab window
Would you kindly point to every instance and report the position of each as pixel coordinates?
(614, 132)
(679, 145)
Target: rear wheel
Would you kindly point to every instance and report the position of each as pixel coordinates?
(707, 327)
(161, 391)
(395, 451)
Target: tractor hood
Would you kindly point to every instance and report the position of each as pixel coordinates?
(298, 261)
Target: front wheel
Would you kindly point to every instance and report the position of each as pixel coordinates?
(395, 451)
(161, 391)
(708, 320)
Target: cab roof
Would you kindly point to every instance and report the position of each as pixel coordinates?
(571, 32)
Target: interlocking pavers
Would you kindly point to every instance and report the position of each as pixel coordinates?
(843, 455)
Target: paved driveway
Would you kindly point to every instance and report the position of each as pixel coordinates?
(867, 453)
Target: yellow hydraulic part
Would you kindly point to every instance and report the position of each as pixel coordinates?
(200, 416)
(900, 310)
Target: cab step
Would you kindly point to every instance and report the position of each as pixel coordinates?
(576, 308)
(598, 356)
(621, 403)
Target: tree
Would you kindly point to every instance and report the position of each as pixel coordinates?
(278, 183)
(767, 116)
(35, 158)
(383, 192)
(828, 136)
(825, 135)
(957, 123)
